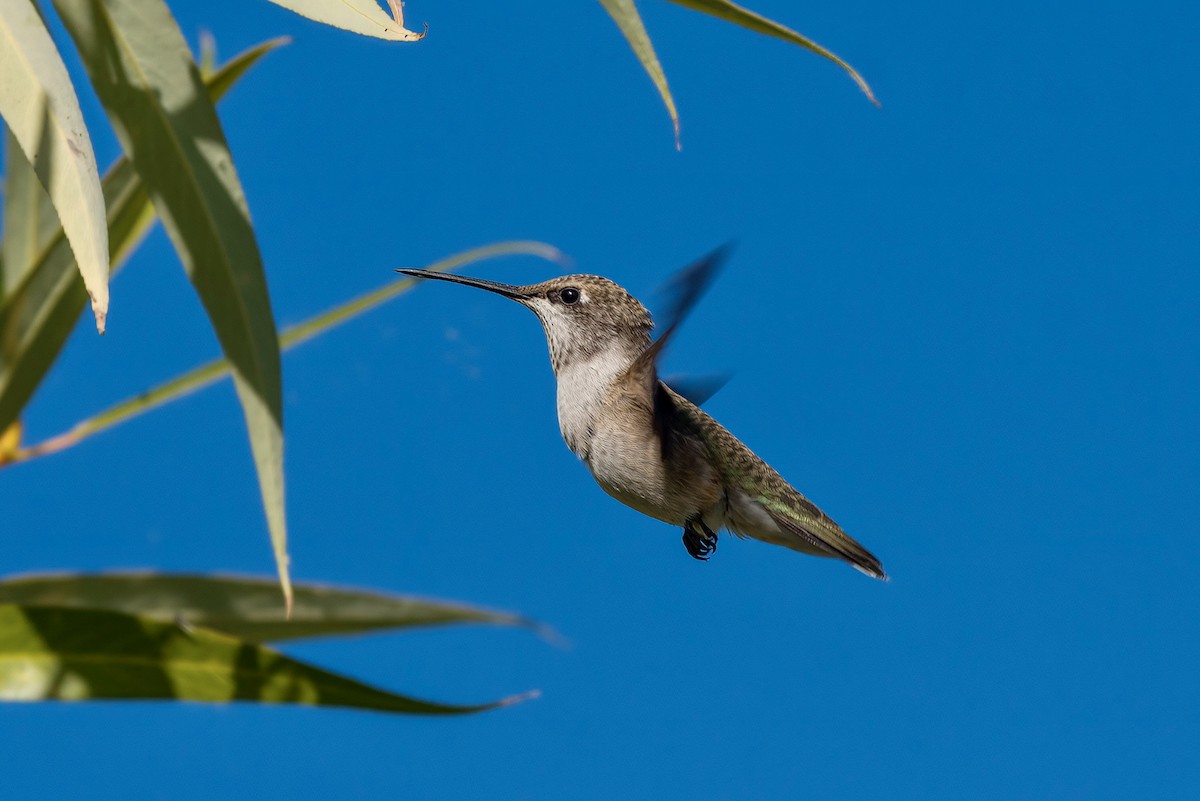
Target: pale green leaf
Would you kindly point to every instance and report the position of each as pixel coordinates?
(626, 15)
(29, 218)
(38, 316)
(732, 12)
(359, 16)
(62, 654)
(246, 608)
(39, 105)
(144, 75)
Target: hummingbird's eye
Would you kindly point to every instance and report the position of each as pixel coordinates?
(569, 296)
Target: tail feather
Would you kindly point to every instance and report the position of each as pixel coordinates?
(826, 535)
(766, 508)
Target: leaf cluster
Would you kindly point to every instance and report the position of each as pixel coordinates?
(67, 230)
(201, 638)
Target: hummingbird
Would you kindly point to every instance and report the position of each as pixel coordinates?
(648, 445)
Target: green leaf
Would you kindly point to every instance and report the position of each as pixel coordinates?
(38, 102)
(29, 218)
(732, 12)
(206, 374)
(220, 82)
(37, 317)
(49, 653)
(626, 15)
(143, 72)
(359, 16)
(243, 607)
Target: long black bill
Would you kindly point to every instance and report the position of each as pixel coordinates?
(507, 290)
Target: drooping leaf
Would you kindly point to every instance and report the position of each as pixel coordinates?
(206, 374)
(359, 16)
(146, 79)
(244, 607)
(29, 218)
(37, 317)
(38, 102)
(732, 12)
(49, 653)
(626, 15)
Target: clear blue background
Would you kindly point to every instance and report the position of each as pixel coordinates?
(965, 324)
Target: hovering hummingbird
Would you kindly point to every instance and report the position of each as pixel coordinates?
(646, 444)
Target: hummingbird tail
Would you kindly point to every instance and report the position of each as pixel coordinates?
(820, 534)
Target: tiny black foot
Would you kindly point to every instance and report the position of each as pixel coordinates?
(699, 545)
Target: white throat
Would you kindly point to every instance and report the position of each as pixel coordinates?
(582, 387)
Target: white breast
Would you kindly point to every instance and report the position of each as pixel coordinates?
(621, 447)
(582, 387)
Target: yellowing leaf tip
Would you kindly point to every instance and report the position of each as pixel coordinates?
(516, 699)
(100, 310)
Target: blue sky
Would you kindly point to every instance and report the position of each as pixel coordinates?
(964, 324)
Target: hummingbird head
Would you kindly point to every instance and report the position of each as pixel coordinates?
(582, 315)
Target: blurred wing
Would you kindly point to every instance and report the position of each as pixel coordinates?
(686, 288)
(697, 388)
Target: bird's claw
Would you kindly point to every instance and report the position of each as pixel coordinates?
(700, 544)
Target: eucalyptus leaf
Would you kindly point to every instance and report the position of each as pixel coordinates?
(146, 79)
(61, 654)
(29, 218)
(732, 12)
(244, 607)
(38, 315)
(626, 15)
(359, 16)
(38, 102)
